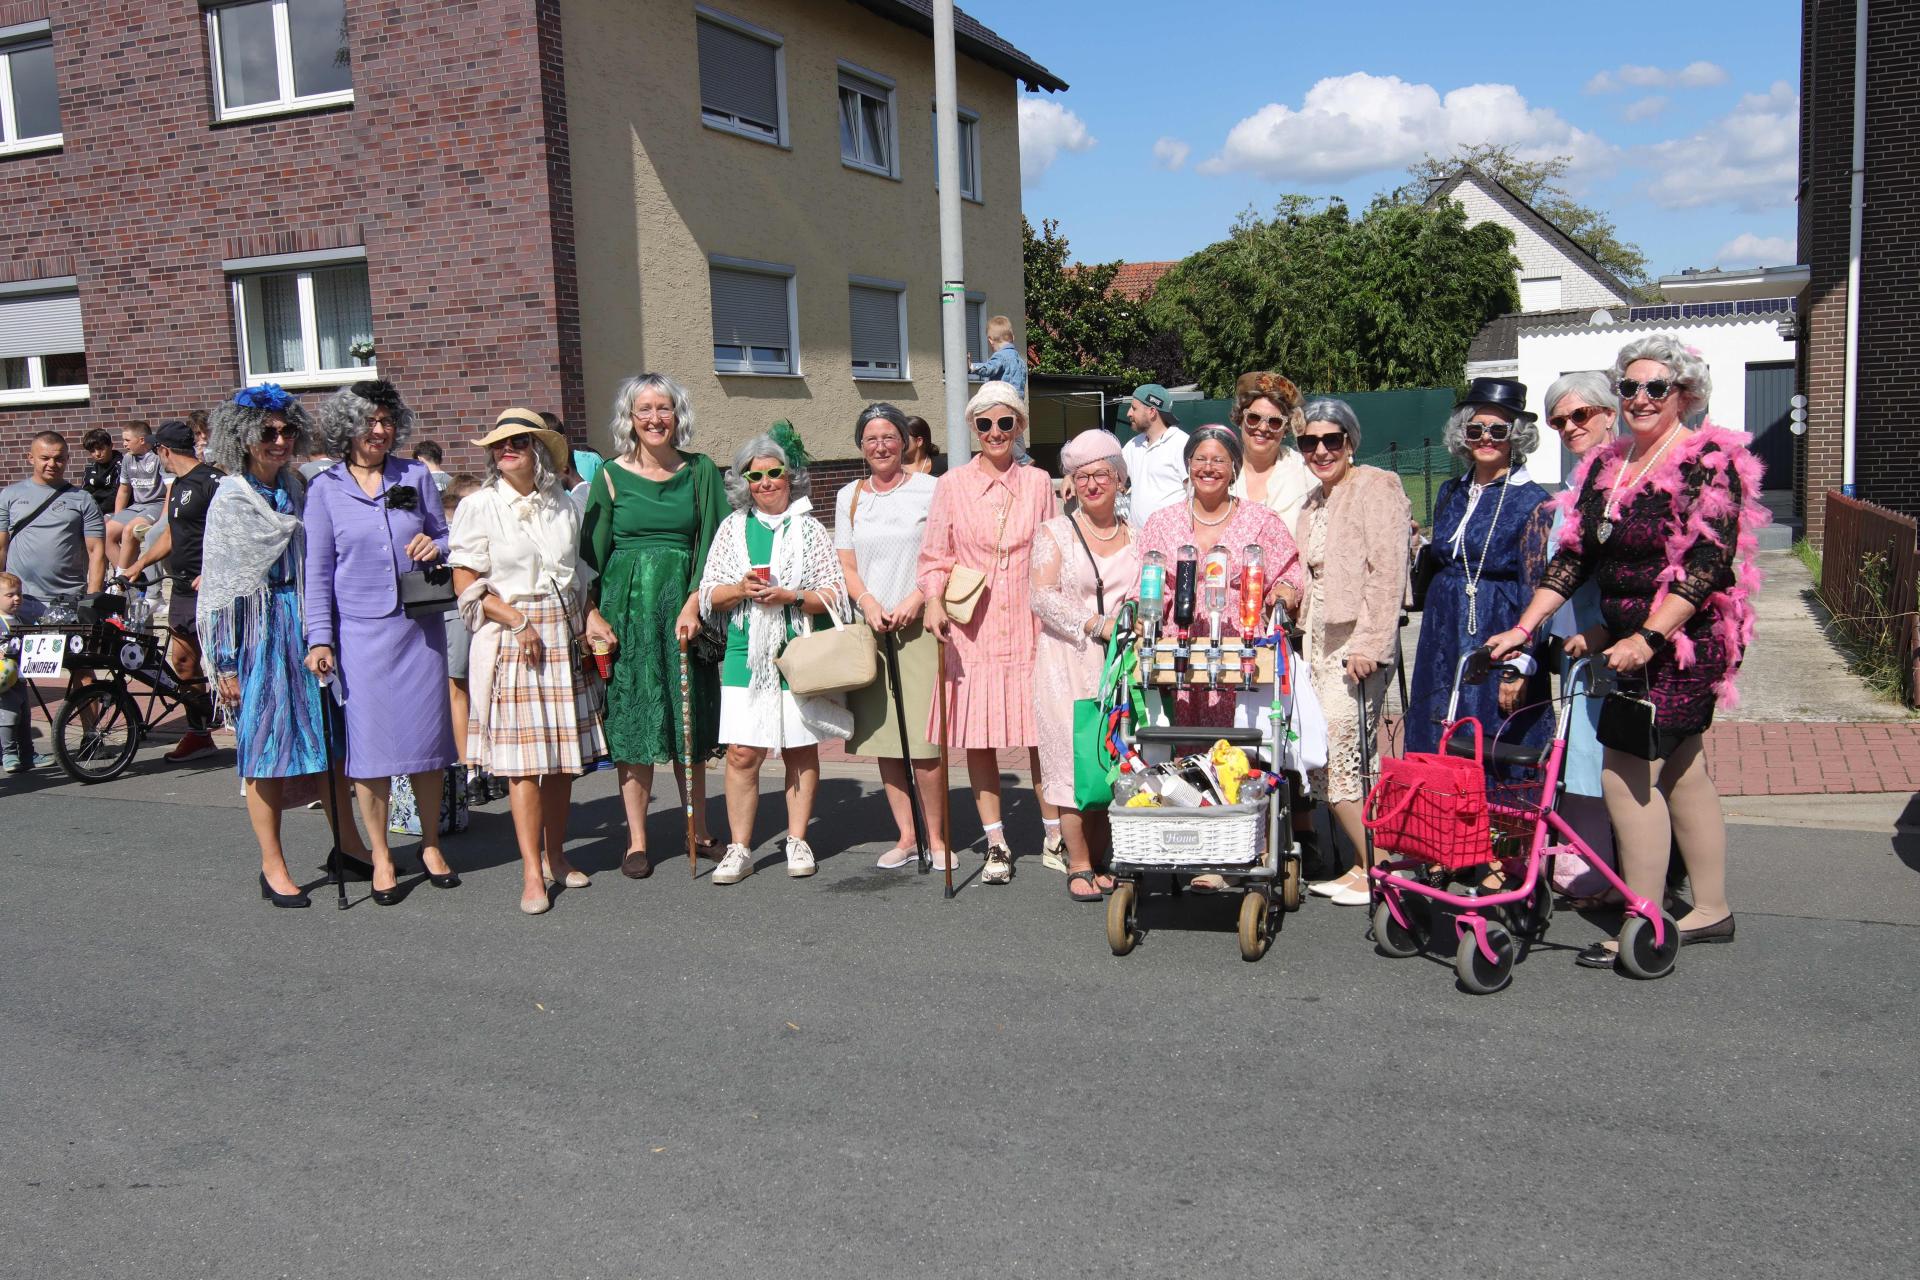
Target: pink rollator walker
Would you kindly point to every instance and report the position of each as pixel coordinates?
(1441, 831)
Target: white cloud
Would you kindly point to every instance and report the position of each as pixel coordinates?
(1047, 129)
(1749, 158)
(1750, 250)
(1695, 75)
(1645, 108)
(1360, 123)
(1171, 153)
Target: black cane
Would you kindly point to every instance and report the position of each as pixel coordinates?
(336, 861)
(892, 647)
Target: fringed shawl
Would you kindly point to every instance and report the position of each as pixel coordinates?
(245, 538)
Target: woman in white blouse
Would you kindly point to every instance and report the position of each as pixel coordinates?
(535, 702)
(1267, 409)
(878, 522)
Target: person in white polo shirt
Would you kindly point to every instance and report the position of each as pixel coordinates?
(1155, 457)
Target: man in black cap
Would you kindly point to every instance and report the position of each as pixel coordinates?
(179, 543)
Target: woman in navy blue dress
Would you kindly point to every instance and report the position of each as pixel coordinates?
(1490, 534)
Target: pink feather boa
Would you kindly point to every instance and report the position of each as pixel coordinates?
(1717, 448)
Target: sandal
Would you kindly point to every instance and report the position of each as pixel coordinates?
(1088, 878)
(1208, 882)
(1598, 956)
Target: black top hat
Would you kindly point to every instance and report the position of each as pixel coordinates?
(1502, 393)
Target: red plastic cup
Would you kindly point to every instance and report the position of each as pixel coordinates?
(603, 659)
(764, 572)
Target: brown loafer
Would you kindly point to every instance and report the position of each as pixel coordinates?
(636, 865)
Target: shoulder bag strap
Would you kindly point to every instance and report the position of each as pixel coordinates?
(38, 511)
(1099, 587)
(853, 512)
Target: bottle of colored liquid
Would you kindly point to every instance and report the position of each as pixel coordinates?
(1253, 591)
(1185, 569)
(1153, 593)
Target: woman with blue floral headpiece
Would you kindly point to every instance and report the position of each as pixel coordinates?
(251, 620)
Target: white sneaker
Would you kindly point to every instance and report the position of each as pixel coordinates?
(736, 866)
(799, 858)
(1053, 854)
(999, 868)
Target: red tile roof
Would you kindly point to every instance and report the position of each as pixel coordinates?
(1136, 279)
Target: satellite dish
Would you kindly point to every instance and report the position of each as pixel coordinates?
(1602, 316)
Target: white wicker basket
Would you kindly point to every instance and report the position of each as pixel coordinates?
(1218, 836)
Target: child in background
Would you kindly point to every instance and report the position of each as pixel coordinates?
(16, 721)
(101, 479)
(1006, 364)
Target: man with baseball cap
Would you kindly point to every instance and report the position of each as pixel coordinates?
(178, 544)
(1155, 456)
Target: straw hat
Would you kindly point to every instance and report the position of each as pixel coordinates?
(516, 422)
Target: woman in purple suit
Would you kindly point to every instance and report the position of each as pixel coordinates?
(370, 518)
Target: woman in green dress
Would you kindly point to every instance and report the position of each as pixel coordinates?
(649, 522)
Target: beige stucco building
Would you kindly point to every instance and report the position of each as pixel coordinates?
(696, 175)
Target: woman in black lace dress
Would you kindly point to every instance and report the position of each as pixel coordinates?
(1664, 520)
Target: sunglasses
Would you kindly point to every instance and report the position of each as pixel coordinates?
(519, 444)
(1656, 389)
(1332, 442)
(986, 425)
(269, 434)
(1497, 432)
(1577, 417)
(771, 473)
(1249, 421)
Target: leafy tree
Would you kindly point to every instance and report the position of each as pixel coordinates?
(1538, 182)
(1073, 324)
(1392, 299)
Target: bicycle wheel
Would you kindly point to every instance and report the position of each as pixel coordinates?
(97, 733)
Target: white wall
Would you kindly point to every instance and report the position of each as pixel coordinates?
(1728, 349)
(1538, 256)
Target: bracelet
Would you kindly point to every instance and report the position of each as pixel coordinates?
(514, 631)
(862, 596)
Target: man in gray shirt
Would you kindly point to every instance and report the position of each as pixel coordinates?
(51, 533)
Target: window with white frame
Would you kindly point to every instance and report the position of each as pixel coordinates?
(976, 327)
(969, 153)
(273, 56)
(754, 316)
(306, 321)
(877, 314)
(29, 97)
(866, 122)
(43, 357)
(742, 77)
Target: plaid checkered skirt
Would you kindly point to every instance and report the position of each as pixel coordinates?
(531, 720)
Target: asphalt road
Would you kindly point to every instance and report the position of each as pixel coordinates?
(849, 1076)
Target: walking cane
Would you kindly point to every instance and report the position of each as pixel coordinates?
(892, 648)
(1367, 747)
(686, 751)
(337, 860)
(946, 810)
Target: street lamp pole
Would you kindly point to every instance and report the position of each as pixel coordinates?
(953, 279)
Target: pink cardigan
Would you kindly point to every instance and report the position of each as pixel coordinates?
(1364, 577)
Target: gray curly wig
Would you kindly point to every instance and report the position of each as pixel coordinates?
(799, 482)
(233, 429)
(1688, 369)
(1525, 437)
(1591, 385)
(620, 426)
(343, 418)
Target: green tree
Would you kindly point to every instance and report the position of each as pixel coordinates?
(1073, 325)
(1392, 299)
(1538, 182)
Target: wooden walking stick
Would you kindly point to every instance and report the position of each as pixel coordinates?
(946, 810)
(686, 751)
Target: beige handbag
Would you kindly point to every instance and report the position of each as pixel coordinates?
(966, 584)
(834, 661)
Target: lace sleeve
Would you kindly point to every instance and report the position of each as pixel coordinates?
(1059, 612)
(1535, 547)
(1713, 496)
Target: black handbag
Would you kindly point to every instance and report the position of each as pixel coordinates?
(427, 591)
(708, 647)
(1629, 724)
(1425, 565)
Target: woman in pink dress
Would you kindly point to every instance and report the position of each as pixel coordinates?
(984, 517)
(1084, 564)
(1211, 516)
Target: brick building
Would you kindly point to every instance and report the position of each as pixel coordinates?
(1887, 431)
(492, 203)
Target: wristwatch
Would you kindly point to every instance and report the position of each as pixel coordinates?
(1653, 638)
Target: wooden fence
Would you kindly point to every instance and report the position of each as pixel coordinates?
(1870, 580)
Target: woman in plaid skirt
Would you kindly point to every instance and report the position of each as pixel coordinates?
(535, 704)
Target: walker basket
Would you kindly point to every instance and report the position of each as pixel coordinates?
(1232, 835)
(1451, 827)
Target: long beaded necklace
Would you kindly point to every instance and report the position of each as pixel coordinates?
(1611, 511)
(1474, 574)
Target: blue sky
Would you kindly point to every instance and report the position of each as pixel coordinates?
(1681, 118)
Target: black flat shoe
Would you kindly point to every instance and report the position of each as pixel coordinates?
(1719, 931)
(298, 898)
(1598, 956)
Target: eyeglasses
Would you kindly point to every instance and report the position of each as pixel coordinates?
(1332, 442)
(771, 473)
(269, 434)
(1577, 417)
(1497, 432)
(987, 425)
(1277, 421)
(1211, 466)
(1657, 388)
(519, 444)
(381, 419)
(663, 411)
(1095, 476)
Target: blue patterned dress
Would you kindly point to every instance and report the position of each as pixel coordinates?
(277, 730)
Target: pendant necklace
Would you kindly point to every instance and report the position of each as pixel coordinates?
(1474, 574)
(1611, 511)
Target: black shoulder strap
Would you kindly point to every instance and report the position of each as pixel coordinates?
(1099, 587)
(36, 513)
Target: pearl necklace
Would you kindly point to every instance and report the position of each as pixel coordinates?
(1087, 526)
(1193, 512)
(1611, 511)
(1474, 574)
